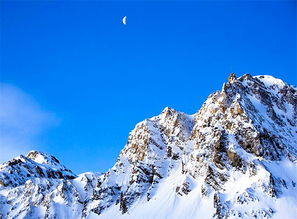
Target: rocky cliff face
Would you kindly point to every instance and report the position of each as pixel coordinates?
(235, 158)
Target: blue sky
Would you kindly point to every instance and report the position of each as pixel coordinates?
(78, 80)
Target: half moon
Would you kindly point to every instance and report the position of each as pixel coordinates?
(125, 20)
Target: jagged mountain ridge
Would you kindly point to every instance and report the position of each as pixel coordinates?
(34, 165)
(236, 157)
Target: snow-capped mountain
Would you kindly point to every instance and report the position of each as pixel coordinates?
(235, 158)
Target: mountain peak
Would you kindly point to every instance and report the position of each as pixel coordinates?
(232, 78)
(35, 165)
(270, 81)
(42, 158)
(168, 110)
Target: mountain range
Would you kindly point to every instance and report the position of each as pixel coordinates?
(236, 157)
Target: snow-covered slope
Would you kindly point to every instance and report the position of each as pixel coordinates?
(235, 158)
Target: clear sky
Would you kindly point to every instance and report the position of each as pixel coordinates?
(75, 80)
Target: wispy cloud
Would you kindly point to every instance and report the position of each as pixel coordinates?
(22, 120)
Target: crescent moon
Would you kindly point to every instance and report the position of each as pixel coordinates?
(125, 20)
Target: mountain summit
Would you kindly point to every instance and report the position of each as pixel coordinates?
(235, 158)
